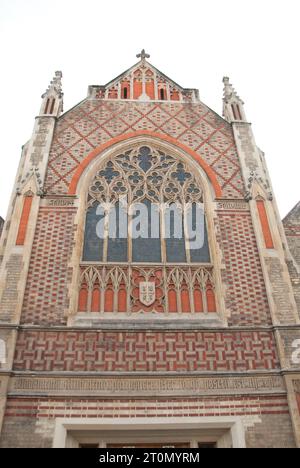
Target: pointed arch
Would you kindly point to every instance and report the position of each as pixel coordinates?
(197, 294)
(207, 169)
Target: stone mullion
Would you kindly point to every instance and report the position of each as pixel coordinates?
(129, 289)
(131, 86)
(155, 87)
(186, 236)
(204, 297)
(116, 301)
(116, 286)
(178, 297)
(129, 233)
(168, 92)
(90, 296)
(166, 288)
(163, 235)
(103, 289)
(106, 235)
(144, 83)
(191, 291)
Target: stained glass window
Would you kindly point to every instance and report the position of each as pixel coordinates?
(147, 247)
(93, 240)
(145, 206)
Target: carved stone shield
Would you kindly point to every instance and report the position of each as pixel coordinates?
(147, 293)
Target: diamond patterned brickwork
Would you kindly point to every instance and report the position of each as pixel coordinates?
(93, 123)
(145, 351)
(46, 289)
(246, 295)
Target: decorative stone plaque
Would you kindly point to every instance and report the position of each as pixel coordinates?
(147, 293)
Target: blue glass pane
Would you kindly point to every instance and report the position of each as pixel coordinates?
(198, 239)
(174, 233)
(118, 235)
(144, 158)
(147, 247)
(93, 244)
(109, 174)
(181, 175)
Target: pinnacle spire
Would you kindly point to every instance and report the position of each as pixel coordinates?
(233, 105)
(229, 91)
(55, 85)
(53, 97)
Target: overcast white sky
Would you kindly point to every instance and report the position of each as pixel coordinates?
(194, 42)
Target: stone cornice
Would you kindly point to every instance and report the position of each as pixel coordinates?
(141, 386)
(162, 325)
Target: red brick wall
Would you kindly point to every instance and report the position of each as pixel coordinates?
(93, 123)
(124, 408)
(46, 290)
(83, 351)
(33, 419)
(246, 296)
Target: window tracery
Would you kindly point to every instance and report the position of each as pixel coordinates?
(178, 290)
(151, 174)
(114, 269)
(170, 193)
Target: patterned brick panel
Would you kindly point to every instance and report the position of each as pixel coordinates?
(93, 123)
(266, 418)
(246, 295)
(46, 298)
(126, 408)
(9, 299)
(145, 351)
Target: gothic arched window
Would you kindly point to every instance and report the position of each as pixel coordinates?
(145, 206)
(145, 241)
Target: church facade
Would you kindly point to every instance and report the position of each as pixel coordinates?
(149, 292)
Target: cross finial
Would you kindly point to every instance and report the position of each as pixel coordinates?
(143, 55)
